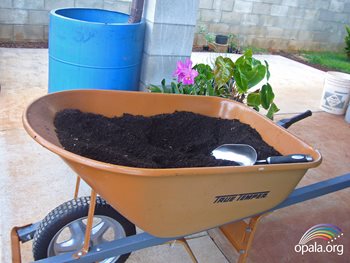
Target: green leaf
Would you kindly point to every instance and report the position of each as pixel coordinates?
(210, 37)
(210, 91)
(223, 70)
(166, 90)
(240, 60)
(248, 72)
(223, 91)
(347, 29)
(255, 75)
(194, 90)
(163, 82)
(204, 90)
(200, 88)
(186, 89)
(267, 96)
(174, 88)
(241, 81)
(272, 110)
(245, 58)
(255, 62)
(205, 74)
(202, 68)
(248, 53)
(267, 71)
(254, 99)
(180, 86)
(154, 88)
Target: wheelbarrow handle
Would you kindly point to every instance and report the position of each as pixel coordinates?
(291, 158)
(286, 123)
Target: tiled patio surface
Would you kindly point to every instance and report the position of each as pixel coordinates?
(33, 180)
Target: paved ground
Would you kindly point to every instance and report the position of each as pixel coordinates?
(33, 180)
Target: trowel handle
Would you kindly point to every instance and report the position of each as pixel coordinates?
(292, 158)
(286, 123)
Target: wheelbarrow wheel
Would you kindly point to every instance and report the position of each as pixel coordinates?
(63, 229)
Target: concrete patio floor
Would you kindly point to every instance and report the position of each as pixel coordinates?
(34, 181)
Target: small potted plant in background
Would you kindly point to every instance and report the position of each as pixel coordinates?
(221, 39)
(210, 39)
(220, 44)
(347, 41)
(202, 31)
(232, 44)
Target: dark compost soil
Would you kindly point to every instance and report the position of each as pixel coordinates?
(180, 139)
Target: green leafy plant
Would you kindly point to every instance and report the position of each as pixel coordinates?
(233, 80)
(209, 37)
(232, 41)
(202, 30)
(347, 41)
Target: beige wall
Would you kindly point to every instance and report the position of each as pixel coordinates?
(272, 24)
(278, 24)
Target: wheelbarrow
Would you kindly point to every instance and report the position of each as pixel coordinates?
(168, 204)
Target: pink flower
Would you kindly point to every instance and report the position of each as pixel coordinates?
(185, 73)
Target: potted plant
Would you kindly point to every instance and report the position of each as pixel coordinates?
(210, 39)
(233, 80)
(202, 30)
(232, 44)
(221, 39)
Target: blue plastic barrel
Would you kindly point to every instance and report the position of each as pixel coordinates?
(94, 49)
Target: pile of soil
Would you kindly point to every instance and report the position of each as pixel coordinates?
(180, 139)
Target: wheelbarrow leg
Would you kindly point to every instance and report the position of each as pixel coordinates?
(184, 242)
(20, 235)
(15, 246)
(240, 235)
(77, 185)
(85, 249)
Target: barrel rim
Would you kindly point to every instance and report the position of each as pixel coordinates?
(53, 12)
(338, 76)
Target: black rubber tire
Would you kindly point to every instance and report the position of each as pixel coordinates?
(68, 212)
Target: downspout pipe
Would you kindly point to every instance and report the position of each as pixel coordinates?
(136, 11)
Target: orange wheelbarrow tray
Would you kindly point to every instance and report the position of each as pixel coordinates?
(144, 240)
(174, 202)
